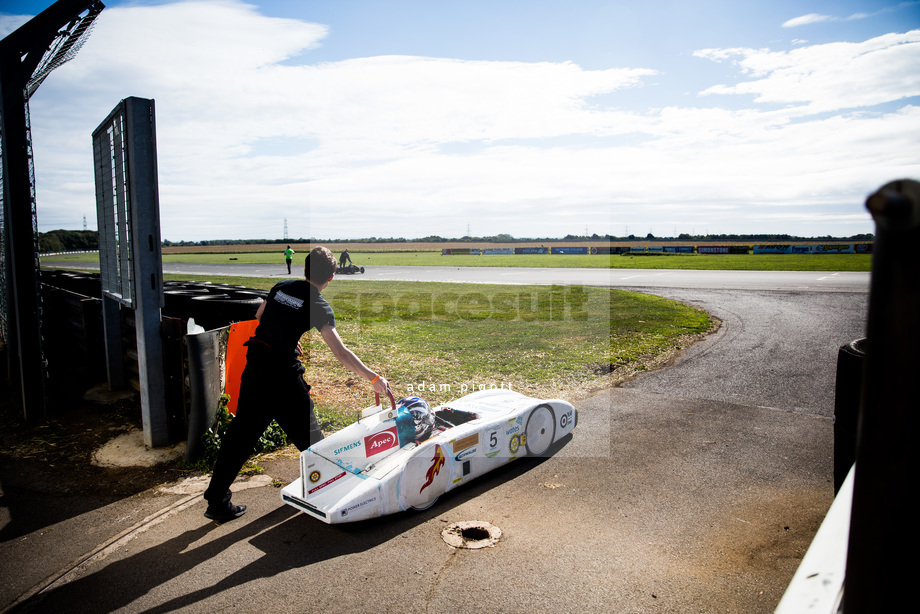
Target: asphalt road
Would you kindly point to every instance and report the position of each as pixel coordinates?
(694, 488)
(792, 281)
(774, 349)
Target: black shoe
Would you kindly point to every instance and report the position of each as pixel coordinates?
(224, 511)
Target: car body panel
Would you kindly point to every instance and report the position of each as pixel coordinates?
(373, 467)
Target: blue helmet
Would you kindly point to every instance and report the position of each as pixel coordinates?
(421, 414)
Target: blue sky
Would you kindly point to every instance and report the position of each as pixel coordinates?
(352, 119)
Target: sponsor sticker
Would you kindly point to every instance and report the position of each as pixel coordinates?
(326, 483)
(380, 442)
(465, 453)
(351, 446)
(357, 506)
(315, 476)
(494, 445)
(564, 420)
(467, 442)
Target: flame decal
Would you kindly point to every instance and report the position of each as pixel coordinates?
(437, 461)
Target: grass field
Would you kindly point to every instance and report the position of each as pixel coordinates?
(440, 340)
(732, 262)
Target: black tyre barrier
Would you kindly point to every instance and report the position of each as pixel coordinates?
(847, 398)
(217, 310)
(176, 301)
(250, 292)
(85, 284)
(222, 288)
(205, 310)
(217, 305)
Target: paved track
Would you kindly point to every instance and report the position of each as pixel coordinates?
(805, 281)
(775, 349)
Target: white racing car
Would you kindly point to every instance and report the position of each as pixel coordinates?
(406, 456)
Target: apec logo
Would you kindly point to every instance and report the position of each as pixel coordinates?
(380, 442)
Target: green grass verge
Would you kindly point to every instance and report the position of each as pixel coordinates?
(728, 262)
(442, 340)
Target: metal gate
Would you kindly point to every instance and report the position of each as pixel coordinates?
(130, 261)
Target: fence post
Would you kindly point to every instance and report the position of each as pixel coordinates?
(883, 518)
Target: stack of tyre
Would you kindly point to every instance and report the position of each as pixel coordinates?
(84, 284)
(210, 305)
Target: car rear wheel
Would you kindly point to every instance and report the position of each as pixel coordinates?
(540, 430)
(425, 506)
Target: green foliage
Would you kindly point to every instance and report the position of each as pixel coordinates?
(210, 440)
(507, 238)
(272, 439)
(68, 240)
(333, 419)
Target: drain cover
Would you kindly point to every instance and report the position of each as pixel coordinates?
(472, 534)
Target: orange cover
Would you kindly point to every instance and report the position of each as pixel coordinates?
(240, 333)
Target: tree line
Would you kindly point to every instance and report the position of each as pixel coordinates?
(68, 241)
(506, 238)
(79, 240)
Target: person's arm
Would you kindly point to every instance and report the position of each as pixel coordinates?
(351, 361)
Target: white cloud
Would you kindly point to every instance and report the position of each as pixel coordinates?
(811, 18)
(828, 77)
(250, 133)
(805, 20)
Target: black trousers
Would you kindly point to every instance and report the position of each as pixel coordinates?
(270, 389)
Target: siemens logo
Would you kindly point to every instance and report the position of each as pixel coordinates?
(351, 446)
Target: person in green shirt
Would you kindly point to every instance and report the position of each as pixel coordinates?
(288, 257)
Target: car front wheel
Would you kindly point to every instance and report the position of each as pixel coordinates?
(540, 430)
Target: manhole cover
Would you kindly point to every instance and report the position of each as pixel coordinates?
(472, 534)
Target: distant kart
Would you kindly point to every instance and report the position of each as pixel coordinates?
(376, 466)
(348, 269)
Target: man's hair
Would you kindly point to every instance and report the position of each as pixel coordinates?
(319, 265)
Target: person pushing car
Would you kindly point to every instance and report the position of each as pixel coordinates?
(272, 385)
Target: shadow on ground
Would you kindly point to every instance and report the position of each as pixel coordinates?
(287, 544)
(46, 470)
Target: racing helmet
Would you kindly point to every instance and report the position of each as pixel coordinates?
(421, 414)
